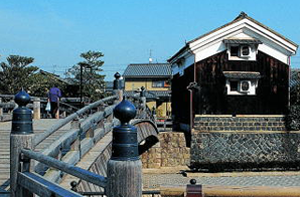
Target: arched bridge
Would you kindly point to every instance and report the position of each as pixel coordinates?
(147, 137)
(82, 137)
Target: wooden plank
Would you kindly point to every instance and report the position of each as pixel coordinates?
(17, 142)
(55, 147)
(42, 187)
(68, 119)
(70, 169)
(54, 175)
(86, 145)
(124, 178)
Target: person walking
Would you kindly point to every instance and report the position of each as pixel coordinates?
(53, 97)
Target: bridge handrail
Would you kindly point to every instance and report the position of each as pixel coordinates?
(38, 139)
(65, 167)
(69, 139)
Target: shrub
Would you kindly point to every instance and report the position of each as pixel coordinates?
(293, 118)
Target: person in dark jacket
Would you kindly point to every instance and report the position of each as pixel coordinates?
(54, 95)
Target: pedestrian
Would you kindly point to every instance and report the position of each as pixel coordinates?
(53, 97)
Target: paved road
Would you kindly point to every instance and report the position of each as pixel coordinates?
(153, 181)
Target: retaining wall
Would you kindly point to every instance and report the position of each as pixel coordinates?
(243, 142)
(170, 151)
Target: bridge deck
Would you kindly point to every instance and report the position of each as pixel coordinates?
(39, 127)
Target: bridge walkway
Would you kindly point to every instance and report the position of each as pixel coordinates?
(39, 126)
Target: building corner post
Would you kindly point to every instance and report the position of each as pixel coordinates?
(21, 137)
(124, 169)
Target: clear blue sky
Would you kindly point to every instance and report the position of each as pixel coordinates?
(55, 32)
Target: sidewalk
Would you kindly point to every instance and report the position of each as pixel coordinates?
(154, 178)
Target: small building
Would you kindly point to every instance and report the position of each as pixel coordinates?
(230, 91)
(155, 78)
(241, 67)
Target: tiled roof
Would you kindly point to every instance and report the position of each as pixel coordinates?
(242, 41)
(241, 75)
(149, 94)
(295, 78)
(153, 70)
(240, 17)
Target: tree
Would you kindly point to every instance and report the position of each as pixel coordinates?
(92, 80)
(41, 83)
(16, 74)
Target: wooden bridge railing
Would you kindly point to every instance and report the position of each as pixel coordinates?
(7, 104)
(26, 183)
(84, 133)
(124, 168)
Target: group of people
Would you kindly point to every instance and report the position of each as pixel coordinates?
(54, 95)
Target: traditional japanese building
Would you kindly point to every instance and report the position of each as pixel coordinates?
(155, 78)
(230, 92)
(240, 68)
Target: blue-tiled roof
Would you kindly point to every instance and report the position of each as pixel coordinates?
(152, 70)
(150, 94)
(241, 75)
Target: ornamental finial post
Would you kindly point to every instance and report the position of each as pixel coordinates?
(22, 116)
(21, 137)
(117, 86)
(124, 169)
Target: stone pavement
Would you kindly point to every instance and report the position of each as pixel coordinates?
(283, 179)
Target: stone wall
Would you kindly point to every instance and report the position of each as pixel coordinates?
(239, 123)
(170, 151)
(248, 142)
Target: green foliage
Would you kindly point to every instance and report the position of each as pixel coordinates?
(92, 80)
(40, 84)
(295, 95)
(16, 74)
(292, 120)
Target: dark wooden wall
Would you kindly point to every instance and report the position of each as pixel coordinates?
(271, 95)
(181, 96)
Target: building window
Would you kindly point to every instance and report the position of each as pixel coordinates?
(234, 51)
(158, 84)
(245, 85)
(233, 85)
(245, 50)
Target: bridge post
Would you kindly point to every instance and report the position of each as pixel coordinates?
(124, 169)
(118, 86)
(143, 101)
(21, 136)
(1, 109)
(37, 108)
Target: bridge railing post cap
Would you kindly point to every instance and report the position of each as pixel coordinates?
(117, 75)
(22, 98)
(193, 181)
(22, 116)
(125, 111)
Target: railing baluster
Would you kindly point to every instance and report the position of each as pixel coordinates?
(124, 169)
(36, 108)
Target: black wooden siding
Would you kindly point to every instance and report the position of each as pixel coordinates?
(181, 96)
(271, 95)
